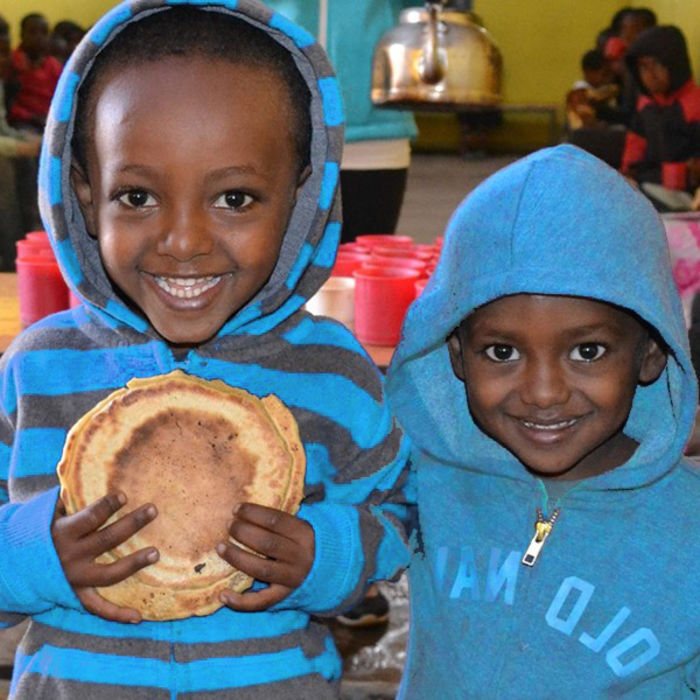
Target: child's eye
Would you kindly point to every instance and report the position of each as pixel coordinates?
(233, 200)
(137, 199)
(587, 352)
(502, 353)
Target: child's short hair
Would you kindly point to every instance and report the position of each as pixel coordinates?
(184, 32)
(30, 18)
(592, 60)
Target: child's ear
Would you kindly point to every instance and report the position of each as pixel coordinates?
(653, 363)
(454, 347)
(83, 191)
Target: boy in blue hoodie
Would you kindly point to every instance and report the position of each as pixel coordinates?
(189, 187)
(545, 381)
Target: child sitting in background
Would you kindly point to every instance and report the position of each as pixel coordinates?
(545, 381)
(36, 73)
(666, 124)
(190, 191)
(592, 99)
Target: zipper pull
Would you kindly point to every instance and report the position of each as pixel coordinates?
(543, 526)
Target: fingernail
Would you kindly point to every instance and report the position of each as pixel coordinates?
(152, 555)
(151, 511)
(221, 548)
(237, 507)
(121, 497)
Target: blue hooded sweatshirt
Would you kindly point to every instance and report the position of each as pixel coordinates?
(611, 607)
(60, 368)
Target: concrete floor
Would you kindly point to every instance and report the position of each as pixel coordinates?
(437, 183)
(373, 658)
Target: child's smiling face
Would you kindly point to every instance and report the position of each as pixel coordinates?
(192, 177)
(552, 379)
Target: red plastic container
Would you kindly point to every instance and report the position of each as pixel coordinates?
(674, 175)
(346, 263)
(33, 248)
(40, 287)
(382, 297)
(396, 261)
(419, 285)
(369, 240)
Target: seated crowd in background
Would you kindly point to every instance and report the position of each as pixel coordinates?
(28, 78)
(638, 109)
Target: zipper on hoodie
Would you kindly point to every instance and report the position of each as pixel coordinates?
(544, 524)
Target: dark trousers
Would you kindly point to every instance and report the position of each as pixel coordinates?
(371, 201)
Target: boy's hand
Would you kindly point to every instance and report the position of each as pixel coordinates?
(79, 540)
(287, 544)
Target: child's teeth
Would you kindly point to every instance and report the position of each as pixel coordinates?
(551, 426)
(186, 287)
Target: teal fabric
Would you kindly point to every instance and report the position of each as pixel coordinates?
(353, 30)
(611, 606)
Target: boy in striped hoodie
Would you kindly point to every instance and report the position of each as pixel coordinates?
(189, 187)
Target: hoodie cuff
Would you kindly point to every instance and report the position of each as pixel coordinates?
(338, 559)
(31, 576)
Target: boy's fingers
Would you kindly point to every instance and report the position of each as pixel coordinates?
(109, 574)
(254, 601)
(96, 604)
(273, 520)
(265, 542)
(260, 568)
(120, 531)
(94, 516)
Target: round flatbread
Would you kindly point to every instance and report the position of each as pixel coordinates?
(195, 448)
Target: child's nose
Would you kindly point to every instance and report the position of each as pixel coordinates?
(187, 234)
(544, 384)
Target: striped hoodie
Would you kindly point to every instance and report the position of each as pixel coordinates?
(61, 367)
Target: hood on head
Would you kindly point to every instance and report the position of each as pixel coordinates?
(558, 222)
(667, 45)
(312, 236)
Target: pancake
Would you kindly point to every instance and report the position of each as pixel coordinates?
(195, 448)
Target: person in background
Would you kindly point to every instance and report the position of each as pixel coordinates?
(15, 146)
(377, 151)
(626, 27)
(65, 36)
(545, 382)
(590, 99)
(36, 73)
(591, 110)
(666, 124)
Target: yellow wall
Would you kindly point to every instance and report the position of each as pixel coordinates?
(84, 12)
(541, 41)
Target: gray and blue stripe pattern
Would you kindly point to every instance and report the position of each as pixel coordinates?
(62, 366)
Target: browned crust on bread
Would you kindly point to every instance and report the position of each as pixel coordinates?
(195, 448)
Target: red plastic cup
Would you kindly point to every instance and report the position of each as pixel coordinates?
(38, 237)
(674, 175)
(369, 240)
(381, 300)
(40, 288)
(352, 248)
(396, 261)
(33, 248)
(346, 263)
(419, 285)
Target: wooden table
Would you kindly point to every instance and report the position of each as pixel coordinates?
(9, 309)
(10, 326)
